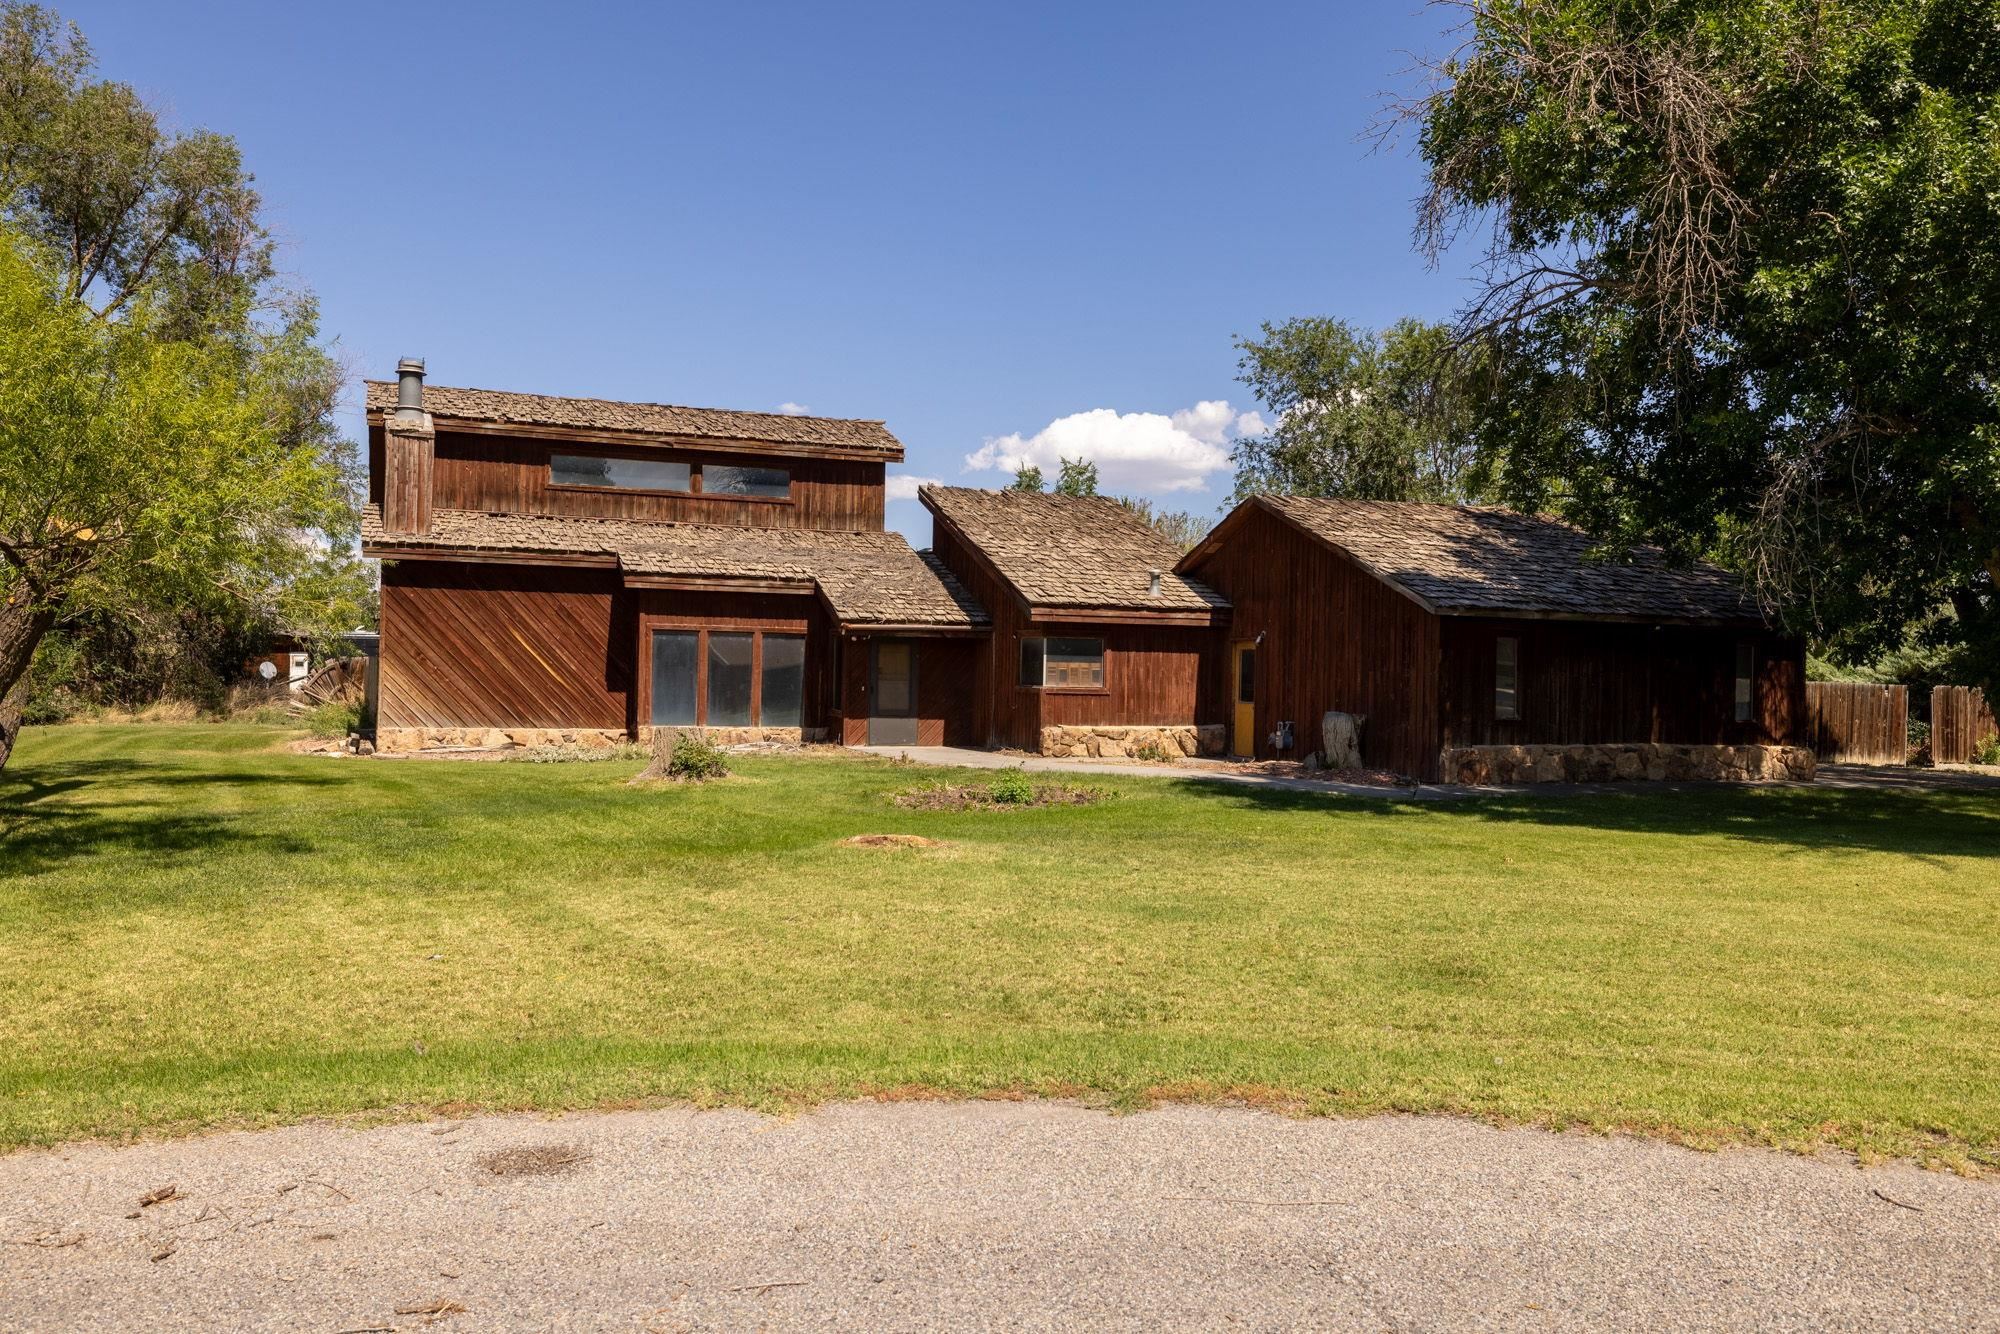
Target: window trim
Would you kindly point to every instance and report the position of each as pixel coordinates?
(1510, 712)
(1103, 666)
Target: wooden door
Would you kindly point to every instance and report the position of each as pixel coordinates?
(1243, 694)
(892, 693)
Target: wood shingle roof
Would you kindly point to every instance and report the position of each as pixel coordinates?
(866, 578)
(1071, 551)
(1470, 559)
(501, 407)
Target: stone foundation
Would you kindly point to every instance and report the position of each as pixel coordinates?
(1510, 766)
(1078, 742)
(403, 740)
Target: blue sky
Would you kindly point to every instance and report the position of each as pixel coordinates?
(973, 222)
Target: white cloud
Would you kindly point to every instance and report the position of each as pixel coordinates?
(1133, 451)
(1252, 423)
(795, 409)
(903, 486)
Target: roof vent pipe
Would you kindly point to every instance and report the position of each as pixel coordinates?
(410, 389)
(1152, 583)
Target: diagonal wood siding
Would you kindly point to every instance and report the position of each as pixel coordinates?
(1960, 720)
(1853, 722)
(467, 645)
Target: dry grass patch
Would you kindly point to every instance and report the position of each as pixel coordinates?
(1010, 791)
(893, 841)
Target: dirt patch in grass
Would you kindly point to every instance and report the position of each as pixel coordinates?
(533, 1160)
(996, 796)
(893, 841)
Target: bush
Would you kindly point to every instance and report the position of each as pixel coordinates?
(1153, 753)
(694, 760)
(1987, 751)
(335, 718)
(1011, 787)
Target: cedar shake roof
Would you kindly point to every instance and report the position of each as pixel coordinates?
(657, 419)
(866, 578)
(1071, 551)
(1460, 559)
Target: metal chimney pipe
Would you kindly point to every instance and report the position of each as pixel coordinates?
(1152, 583)
(410, 389)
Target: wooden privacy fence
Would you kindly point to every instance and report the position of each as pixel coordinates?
(1852, 722)
(1960, 720)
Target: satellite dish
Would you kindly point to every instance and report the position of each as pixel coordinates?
(268, 670)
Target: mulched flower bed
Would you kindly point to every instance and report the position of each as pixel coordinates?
(995, 797)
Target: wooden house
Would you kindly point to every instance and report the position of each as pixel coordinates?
(1469, 636)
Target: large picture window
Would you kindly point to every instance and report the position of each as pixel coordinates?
(719, 678)
(619, 474)
(1063, 664)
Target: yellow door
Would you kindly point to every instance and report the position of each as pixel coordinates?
(1243, 689)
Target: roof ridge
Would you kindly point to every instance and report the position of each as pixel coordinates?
(637, 403)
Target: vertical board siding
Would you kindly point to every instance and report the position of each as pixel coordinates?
(467, 645)
(1599, 682)
(1960, 720)
(1153, 675)
(1853, 722)
(1335, 639)
(946, 672)
(510, 475)
(409, 472)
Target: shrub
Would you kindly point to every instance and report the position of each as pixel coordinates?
(1987, 751)
(1153, 753)
(335, 718)
(694, 760)
(1011, 787)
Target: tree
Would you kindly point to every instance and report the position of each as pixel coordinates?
(166, 434)
(1182, 529)
(1743, 289)
(1077, 478)
(1027, 477)
(1373, 416)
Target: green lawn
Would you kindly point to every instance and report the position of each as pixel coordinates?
(196, 928)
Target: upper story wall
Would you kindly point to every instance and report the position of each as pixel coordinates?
(510, 474)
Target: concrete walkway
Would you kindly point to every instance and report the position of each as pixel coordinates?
(1026, 1216)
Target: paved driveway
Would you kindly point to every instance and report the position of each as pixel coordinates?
(982, 1215)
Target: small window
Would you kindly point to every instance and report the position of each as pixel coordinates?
(784, 683)
(1507, 678)
(729, 680)
(1077, 664)
(1246, 675)
(618, 474)
(728, 480)
(674, 661)
(1031, 661)
(1746, 682)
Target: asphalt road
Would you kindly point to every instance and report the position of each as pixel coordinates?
(982, 1215)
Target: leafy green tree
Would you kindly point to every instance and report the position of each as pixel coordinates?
(166, 436)
(1180, 528)
(1077, 478)
(1743, 288)
(1372, 416)
(1027, 477)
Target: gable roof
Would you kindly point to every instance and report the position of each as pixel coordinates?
(865, 578)
(501, 408)
(1086, 552)
(1476, 559)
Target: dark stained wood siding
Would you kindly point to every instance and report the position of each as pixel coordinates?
(1335, 638)
(466, 645)
(794, 614)
(1597, 682)
(509, 474)
(946, 668)
(407, 469)
(1153, 675)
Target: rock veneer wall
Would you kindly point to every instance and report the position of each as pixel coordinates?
(403, 740)
(1508, 766)
(1108, 742)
